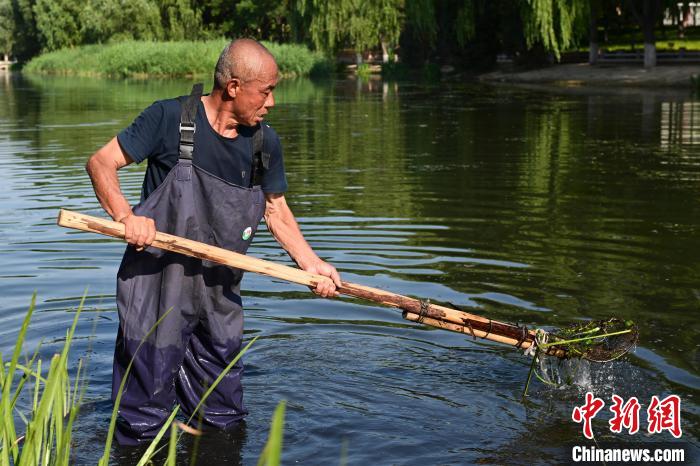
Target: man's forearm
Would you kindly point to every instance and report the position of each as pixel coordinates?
(105, 182)
(285, 229)
(102, 168)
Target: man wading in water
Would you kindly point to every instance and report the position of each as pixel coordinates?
(214, 169)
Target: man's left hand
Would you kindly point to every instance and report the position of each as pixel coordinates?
(327, 288)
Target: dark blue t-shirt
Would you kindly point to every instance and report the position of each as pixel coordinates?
(155, 135)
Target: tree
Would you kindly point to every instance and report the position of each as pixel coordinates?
(262, 19)
(647, 18)
(554, 23)
(58, 23)
(181, 21)
(66, 23)
(359, 24)
(7, 29)
(593, 32)
(26, 36)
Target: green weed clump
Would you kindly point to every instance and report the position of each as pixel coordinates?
(364, 71)
(46, 434)
(165, 59)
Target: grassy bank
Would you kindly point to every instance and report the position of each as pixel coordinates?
(142, 59)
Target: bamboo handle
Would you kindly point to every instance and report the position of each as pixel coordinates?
(83, 222)
(552, 351)
(432, 314)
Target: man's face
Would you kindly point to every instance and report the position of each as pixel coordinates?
(254, 97)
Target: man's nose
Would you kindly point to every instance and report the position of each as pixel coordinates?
(270, 101)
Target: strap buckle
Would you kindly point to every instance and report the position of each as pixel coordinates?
(186, 127)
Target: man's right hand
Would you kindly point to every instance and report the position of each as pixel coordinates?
(139, 231)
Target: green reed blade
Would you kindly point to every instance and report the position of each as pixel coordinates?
(148, 454)
(58, 407)
(543, 380)
(40, 432)
(531, 371)
(220, 378)
(64, 457)
(214, 384)
(172, 446)
(22, 416)
(104, 461)
(27, 373)
(9, 434)
(46, 433)
(272, 452)
(576, 340)
(195, 447)
(30, 372)
(37, 384)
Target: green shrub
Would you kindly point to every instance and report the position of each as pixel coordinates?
(364, 70)
(184, 58)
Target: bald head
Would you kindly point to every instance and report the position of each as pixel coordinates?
(245, 59)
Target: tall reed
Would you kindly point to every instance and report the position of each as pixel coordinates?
(55, 402)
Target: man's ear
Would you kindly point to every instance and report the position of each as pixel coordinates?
(233, 87)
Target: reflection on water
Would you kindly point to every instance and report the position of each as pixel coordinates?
(680, 122)
(527, 205)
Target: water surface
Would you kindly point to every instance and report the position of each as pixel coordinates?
(541, 206)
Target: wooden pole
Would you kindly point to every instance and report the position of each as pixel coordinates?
(415, 310)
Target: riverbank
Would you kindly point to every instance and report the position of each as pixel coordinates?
(169, 59)
(615, 75)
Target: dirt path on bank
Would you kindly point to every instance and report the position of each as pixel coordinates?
(617, 75)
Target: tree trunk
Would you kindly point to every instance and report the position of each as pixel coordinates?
(385, 52)
(6, 57)
(593, 34)
(647, 20)
(648, 23)
(649, 55)
(358, 58)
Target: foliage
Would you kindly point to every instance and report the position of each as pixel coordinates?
(107, 21)
(55, 401)
(260, 18)
(298, 60)
(420, 30)
(49, 25)
(26, 37)
(465, 26)
(364, 71)
(272, 453)
(358, 24)
(140, 58)
(58, 22)
(7, 28)
(420, 18)
(54, 404)
(554, 23)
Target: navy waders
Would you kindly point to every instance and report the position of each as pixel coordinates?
(203, 332)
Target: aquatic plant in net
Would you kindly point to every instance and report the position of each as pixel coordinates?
(597, 341)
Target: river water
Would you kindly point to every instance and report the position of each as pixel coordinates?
(538, 205)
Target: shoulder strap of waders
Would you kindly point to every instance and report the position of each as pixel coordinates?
(187, 124)
(261, 159)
